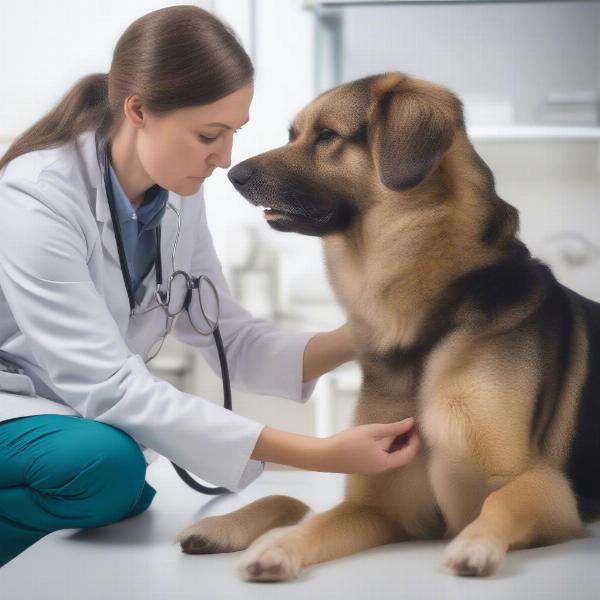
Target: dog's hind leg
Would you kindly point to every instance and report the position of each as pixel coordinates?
(347, 528)
(236, 530)
(535, 508)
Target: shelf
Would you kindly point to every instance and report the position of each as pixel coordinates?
(313, 4)
(532, 132)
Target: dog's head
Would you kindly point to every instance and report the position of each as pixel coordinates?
(364, 142)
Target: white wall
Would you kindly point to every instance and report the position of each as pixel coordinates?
(284, 83)
(46, 46)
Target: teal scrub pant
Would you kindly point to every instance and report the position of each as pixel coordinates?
(63, 472)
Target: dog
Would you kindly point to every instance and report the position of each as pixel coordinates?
(454, 322)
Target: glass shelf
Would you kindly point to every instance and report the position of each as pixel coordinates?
(316, 4)
(532, 133)
(532, 68)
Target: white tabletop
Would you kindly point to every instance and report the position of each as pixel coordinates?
(137, 558)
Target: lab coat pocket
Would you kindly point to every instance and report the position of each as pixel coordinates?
(16, 383)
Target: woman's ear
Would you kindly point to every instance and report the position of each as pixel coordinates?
(408, 133)
(134, 110)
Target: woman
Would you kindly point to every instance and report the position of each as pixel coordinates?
(83, 198)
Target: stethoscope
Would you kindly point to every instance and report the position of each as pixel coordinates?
(162, 299)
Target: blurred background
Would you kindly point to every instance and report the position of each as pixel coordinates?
(529, 77)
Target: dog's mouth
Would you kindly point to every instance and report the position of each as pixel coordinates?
(280, 218)
(308, 222)
(290, 210)
(274, 214)
(296, 206)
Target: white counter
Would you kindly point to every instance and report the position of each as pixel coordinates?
(136, 559)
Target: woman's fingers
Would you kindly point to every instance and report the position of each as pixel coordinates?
(405, 450)
(396, 428)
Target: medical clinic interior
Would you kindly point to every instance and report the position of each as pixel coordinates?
(528, 76)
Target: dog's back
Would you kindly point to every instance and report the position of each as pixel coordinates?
(582, 467)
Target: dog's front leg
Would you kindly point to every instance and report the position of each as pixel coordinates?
(236, 530)
(349, 527)
(534, 508)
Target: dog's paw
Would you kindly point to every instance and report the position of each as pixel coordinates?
(271, 563)
(473, 556)
(212, 535)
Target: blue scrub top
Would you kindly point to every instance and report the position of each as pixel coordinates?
(138, 227)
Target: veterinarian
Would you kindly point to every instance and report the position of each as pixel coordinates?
(81, 415)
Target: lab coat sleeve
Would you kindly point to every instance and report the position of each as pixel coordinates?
(261, 357)
(72, 335)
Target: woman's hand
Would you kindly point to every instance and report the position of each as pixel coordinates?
(363, 449)
(372, 448)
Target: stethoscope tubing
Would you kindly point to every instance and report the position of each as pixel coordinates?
(183, 474)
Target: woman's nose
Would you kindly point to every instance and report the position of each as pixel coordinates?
(224, 155)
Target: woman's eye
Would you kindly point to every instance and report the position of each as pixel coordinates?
(326, 134)
(207, 140)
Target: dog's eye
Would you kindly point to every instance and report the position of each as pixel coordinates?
(326, 134)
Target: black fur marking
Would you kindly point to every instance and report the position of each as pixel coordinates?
(584, 461)
(492, 289)
(488, 290)
(555, 330)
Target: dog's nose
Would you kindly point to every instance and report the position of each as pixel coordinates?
(240, 174)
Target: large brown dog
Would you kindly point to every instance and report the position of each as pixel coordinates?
(455, 323)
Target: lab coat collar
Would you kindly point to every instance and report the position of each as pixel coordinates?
(93, 147)
(149, 216)
(95, 156)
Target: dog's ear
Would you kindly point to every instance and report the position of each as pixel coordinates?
(408, 133)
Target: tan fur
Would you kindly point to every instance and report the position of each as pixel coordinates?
(478, 476)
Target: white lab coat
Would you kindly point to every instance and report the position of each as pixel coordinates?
(64, 318)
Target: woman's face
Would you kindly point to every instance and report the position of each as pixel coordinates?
(181, 149)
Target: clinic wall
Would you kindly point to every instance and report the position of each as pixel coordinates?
(46, 46)
(280, 37)
(283, 35)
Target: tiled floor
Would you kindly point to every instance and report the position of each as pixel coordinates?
(137, 559)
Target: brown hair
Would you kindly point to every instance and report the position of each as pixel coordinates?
(172, 58)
